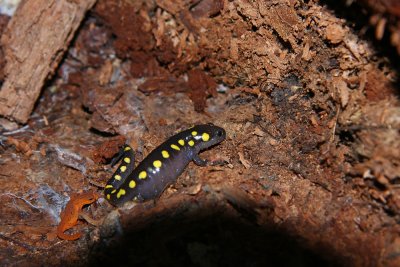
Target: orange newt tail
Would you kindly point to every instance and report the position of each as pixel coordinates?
(70, 215)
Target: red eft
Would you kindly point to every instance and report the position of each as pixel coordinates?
(70, 215)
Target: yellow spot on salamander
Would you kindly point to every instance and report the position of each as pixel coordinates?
(205, 137)
(142, 175)
(194, 133)
(123, 168)
(157, 164)
(132, 184)
(120, 193)
(115, 190)
(127, 160)
(175, 147)
(127, 148)
(181, 142)
(108, 196)
(165, 154)
(117, 177)
(191, 143)
(109, 186)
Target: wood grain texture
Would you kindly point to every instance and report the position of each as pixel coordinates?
(34, 43)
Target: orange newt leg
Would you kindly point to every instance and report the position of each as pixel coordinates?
(87, 218)
(64, 236)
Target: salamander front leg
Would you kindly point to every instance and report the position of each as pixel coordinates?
(203, 162)
(198, 161)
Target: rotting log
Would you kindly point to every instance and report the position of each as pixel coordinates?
(35, 40)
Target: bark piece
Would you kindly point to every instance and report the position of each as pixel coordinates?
(201, 86)
(34, 42)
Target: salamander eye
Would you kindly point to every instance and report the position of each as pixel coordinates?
(219, 133)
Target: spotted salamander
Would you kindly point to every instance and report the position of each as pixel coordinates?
(161, 167)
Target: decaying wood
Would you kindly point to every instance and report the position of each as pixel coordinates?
(312, 148)
(35, 40)
(384, 17)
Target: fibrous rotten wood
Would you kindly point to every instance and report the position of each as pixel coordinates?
(36, 38)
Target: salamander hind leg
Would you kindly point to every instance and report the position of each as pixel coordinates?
(124, 151)
(127, 158)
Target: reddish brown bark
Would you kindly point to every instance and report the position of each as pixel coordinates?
(35, 41)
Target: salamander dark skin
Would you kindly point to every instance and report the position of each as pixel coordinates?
(161, 167)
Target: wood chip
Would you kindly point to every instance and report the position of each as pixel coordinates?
(335, 33)
(258, 132)
(343, 91)
(244, 161)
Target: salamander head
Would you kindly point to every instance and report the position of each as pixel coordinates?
(207, 135)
